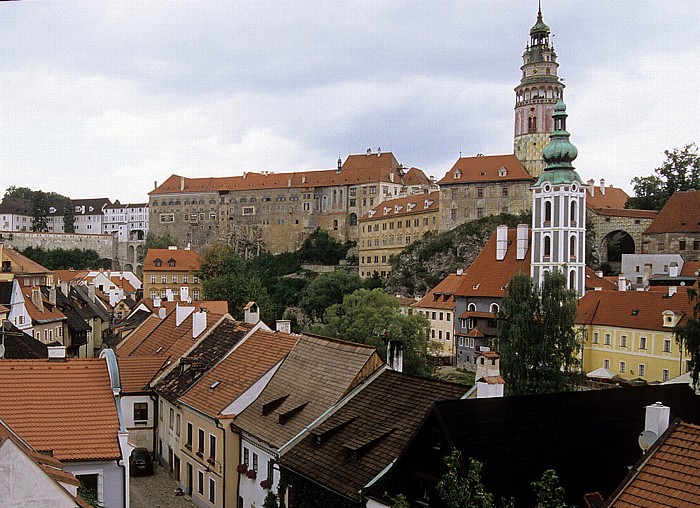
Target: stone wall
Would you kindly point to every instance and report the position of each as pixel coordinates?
(104, 245)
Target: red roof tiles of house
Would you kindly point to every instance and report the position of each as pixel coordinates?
(612, 197)
(136, 337)
(70, 275)
(626, 212)
(22, 264)
(172, 260)
(486, 168)
(680, 214)
(669, 475)
(46, 312)
(136, 372)
(442, 295)
(49, 404)
(407, 205)
(245, 365)
(642, 310)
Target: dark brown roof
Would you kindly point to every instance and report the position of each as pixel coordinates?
(680, 214)
(316, 374)
(669, 475)
(485, 169)
(376, 423)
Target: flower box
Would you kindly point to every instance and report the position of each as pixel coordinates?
(266, 484)
(242, 468)
(252, 474)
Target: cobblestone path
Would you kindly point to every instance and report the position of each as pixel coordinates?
(157, 491)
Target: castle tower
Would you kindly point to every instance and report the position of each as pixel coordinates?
(535, 97)
(559, 211)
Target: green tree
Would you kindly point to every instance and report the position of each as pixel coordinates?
(548, 491)
(688, 334)
(679, 172)
(162, 241)
(322, 248)
(463, 492)
(89, 496)
(270, 500)
(68, 217)
(373, 317)
(592, 257)
(40, 210)
(400, 501)
(537, 341)
(325, 290)
(225, 277)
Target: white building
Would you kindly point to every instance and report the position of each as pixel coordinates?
(127, 222)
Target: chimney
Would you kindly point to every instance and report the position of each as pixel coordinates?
(172, 247)
(91, 293)
(394, 355)
(184, 293)
(181, 313)
(591, 187)
(162, 312)
(621, 282)
(369, 151)
(199, 323)
(156, 302)
(501, 242)
(599, 273)
(522, 241)
(671, 290)
(155, 184)
(283, 325)
(57, 353)
(489, 383)
(182, 183)
(379, 152)
(460, 272)
(169, 295)
(37, 300)
(52, 295)
(602, 186)
(340, 164)
(673, 271)
(657, 418)
(251, 313)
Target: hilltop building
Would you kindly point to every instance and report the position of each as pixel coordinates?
(172, 273)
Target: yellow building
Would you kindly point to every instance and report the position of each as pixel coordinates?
(169, 273)
(388, 228)
(631, 332)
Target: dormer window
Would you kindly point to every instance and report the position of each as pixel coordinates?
(502, 172)
(158, 263)
(171, 263)
(670, 319)
(458, 174)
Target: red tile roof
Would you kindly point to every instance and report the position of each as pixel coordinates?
(70, 275)
(215, 306)
(442, 295)
(669, 475)
(49, 313)
(641, 310)
(612, 198)
(185, 260)
(22, 264)
(485, 169)
(690, 268)
(625, 212)
(680, 214)
(408, 205)
(136, 372)
(66, 407)
(238, 371)
(136, 337)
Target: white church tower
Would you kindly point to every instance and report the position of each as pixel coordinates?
(559, 211)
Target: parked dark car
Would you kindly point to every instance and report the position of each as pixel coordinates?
(140, 462)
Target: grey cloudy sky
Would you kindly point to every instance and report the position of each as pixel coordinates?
(104, 98)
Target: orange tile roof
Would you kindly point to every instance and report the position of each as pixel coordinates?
(593, 281)
(255, 356)
(357, 169)
(641, 310)
(407, 205)
(625, 212)
(690, 268)
(50, 312)
(485, 169)
(612, 198)
(486, 276)
(669, 475)
(185, 260)
(136, 372)
(49, 405)
(70, 275)
(680, 214)
(415, 176)
(215, 306)
(21, 263)
(442, 295)
(137, 336)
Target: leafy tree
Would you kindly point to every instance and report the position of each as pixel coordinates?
(225, 277)
(68, 217)
(89, 496)
(537, 341)
(679, 172)
(548, 491)
(373, 317)
(40, 210)
(688, 335)
(325, 290)
(400, 501)
(321, 248)
(463, 492)
(65, 259)
(592, 257)
(270, 500)
(19, 192)
(162, 241)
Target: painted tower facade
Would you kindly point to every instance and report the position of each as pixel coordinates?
(535, 97)
(559, 211)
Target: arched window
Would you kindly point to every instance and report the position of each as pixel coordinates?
(324, 203)
(494, 308)
(572, 247)
(572, 213)
(547, 212)
(352, 219)
(471, 307)
(547, 247)
(335, 196)
(572, 279)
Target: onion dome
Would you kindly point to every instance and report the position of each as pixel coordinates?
(559, 153)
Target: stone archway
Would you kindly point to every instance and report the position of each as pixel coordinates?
(614, 245)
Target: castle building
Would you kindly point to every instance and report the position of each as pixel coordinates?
(539, 90)
(559, 211)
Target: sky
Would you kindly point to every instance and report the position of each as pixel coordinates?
(102, 99)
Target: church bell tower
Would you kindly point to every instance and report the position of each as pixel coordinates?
(535, 97)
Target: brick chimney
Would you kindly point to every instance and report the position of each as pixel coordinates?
(283, 325)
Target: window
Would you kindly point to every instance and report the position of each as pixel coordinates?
(212, 490)
(623, 341)
(681, 244)
(595, 337)
(195, 294)
(667, 345)
(606, 364)
(623, 367)
(479, 212)
(174, 279)
(447, 335)
(642, 342)
(178, 424)
(163, 279)
(641, 369)
(255, 462)
(607, 339)
(665, 375)
(140, 411)
(172, 419)
(479, 192)
(212, 447)
(160, 407)
(185, 279)
(167, 217)
(248, 210)
(504, 191)
(153, 279)
(246, 456)
(200, 442)
(200, 482)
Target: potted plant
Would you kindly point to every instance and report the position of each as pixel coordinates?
(266, 484)
(242, 468)
(252, 474)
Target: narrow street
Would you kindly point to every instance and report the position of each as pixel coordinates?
(157, 491)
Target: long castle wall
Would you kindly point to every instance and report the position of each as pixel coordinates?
(104, 245)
